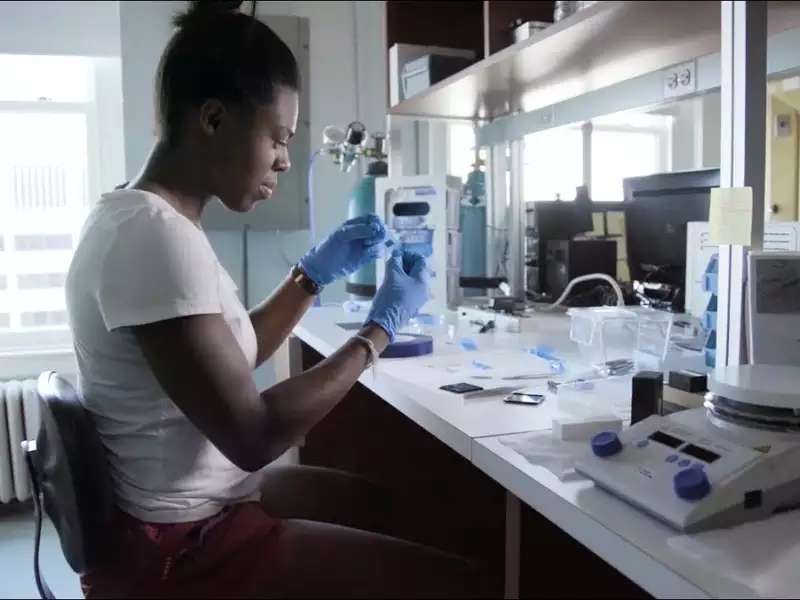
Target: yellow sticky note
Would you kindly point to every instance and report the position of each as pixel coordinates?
(622, 249)
(730, 216)
(616, 222)
(598, 224)
(623, 272)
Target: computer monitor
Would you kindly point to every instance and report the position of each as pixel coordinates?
(657, 210)
(556, 221)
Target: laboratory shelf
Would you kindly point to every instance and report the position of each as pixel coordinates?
(605, 44)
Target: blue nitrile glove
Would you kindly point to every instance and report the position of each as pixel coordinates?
(354, 244)
(403, 292)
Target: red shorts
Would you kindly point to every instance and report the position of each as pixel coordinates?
(227, 555)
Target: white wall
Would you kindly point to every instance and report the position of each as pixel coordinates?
(712, 130)
(686, 135)
(144, 29)
(695, 132)
(110, 140)
(83, 28)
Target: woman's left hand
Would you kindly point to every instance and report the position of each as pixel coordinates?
(354, 244)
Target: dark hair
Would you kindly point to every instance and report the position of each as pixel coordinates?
(219, 52)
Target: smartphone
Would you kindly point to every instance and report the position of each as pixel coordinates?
(461, 388)
(524, 398)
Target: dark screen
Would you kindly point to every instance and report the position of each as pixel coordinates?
(666, 439)
(657, 210)
(700, 453)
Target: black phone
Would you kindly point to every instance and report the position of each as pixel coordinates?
(461, 388)
(524, 398)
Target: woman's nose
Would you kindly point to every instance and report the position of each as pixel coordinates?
(282, 162)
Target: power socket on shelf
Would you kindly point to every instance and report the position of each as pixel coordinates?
(680, 80)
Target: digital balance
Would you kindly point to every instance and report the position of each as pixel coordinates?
(736, 460)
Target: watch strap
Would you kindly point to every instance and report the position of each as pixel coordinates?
(301, 278)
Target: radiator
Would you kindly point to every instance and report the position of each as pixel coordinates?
(19, 421)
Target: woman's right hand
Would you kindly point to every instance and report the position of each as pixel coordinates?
(403, 292)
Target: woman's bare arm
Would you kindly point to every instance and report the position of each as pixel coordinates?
(274, 319)
(201, 367)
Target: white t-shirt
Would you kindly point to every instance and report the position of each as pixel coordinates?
(140, 261)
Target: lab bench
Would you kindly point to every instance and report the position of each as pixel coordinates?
(540, 535)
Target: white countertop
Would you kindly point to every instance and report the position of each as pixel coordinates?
(454, 420)
(756, 559)
(634, 543)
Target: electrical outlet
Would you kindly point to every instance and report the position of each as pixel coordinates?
(680, 80)
(783, 125)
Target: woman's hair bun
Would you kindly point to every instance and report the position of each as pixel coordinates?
(205, 9)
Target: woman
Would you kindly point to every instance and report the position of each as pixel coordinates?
(165, 352)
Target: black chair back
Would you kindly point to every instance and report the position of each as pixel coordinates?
(70, 476)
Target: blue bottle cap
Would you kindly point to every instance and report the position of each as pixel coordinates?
(691, 484)
(606, 443)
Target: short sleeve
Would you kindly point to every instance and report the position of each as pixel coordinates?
(158, 266)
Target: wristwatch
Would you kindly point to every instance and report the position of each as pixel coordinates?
(304, 281)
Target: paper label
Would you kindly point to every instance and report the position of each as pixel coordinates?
(731, 216)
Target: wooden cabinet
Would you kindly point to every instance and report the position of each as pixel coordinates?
(500, 15)
(483, 27)
(450, 24)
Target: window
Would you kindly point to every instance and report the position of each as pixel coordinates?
(617, 155)
(553, 164)
(39, 281)
(627, 145)
(47, 166)
(38, 241)
(461, 149)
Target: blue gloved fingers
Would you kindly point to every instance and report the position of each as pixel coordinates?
(355, 220)
(418, 267)
(356, 242)
(360, 231)
(411, 260)
(380, 226)
(369, 219)
(394, 264)
(403, 292)
(362, 219)
(372, 253)
(371, 231)
(380, 239)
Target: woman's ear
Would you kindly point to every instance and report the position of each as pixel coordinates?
(212, 112)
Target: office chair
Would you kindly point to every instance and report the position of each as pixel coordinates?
(70, 479)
